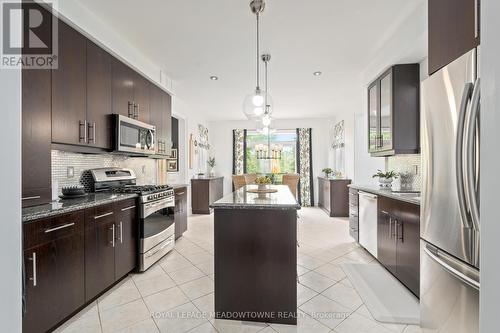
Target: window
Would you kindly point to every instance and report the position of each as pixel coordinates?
(287, 139)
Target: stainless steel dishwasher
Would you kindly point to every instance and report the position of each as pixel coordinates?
(368, 222)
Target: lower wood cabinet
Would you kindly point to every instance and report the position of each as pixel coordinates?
(398, 240)
(180, 211)
(72, 258)
(204, 192)
(54, 270)
(354, 214)
(334, 196)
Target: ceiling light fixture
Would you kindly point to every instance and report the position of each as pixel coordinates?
(214, 78)
(266, 117)
(253, 106)
(318, 73)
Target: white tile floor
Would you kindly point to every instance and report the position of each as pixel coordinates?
(176, 295)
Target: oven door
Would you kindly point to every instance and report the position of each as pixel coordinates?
(157, 223)
(134, 136)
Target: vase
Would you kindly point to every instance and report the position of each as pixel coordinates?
(385, 182)
(212, 172)
(262, 187)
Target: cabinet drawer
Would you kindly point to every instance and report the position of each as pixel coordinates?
(125, 205)
(46, 230)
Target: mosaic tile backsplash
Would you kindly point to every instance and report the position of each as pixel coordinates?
(144, 168)
(408, 166)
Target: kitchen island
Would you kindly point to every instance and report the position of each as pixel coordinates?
(255, 240)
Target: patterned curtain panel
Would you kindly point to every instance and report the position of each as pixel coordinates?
(239, 151)
(304, 166)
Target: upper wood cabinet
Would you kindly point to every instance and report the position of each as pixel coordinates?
(454, 29)
(36, 135)
(394, 112)
(161, 115)
(141, 98)
(99, 80)
(69, 101)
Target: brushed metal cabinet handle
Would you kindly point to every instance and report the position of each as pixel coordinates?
(91, 138)
(127, 208)
(113, 235)
(121, 232)
(83, 138)
(31, 198)
(476, 18)
(103, 215)
(130, 110)
(59, 227)
(33, 261)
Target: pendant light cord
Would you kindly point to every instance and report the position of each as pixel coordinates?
(258, 54)
(266, 111)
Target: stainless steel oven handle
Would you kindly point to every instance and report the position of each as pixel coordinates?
(470, 137)
(167, 243)
(459, 172)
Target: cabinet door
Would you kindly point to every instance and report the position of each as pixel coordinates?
(408, 248)
(69, 89)
(98, 97)
(453, 30)
(386, 137)
(126, 238)
(373, 118)
(123, 89)
(36, 135)
(167, 118)
(180, 215)
(54, 271)
(99, 249)
(156, 116)
(141, 98)
(386, 242)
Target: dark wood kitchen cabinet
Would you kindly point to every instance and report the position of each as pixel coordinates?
(127, 240)
(111, 240)
(454, 29)
(334, 196)
(36, 137)
(69, 109)
(160, 116)
(354, 213)
(204, 192)
(100, 233)
(141, 98)
(99, 80)
(398, 240)
(54, 270)
(180, 211)
(394, 111)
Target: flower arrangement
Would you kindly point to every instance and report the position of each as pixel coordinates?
(263, 180)
(327, 171)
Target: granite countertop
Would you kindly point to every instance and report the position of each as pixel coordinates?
(175, 186)
(411, 197)
(70, 205)
(241, 199)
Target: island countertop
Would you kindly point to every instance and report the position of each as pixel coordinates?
(242, 199)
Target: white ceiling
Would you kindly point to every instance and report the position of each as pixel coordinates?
(194, 39)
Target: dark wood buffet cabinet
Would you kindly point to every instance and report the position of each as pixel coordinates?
(70, 107)
(72, 258)
(204, 192)
(334, 196)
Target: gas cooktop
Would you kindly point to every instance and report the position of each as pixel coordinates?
(142, 189)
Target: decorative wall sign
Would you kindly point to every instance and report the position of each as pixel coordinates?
(338, 135)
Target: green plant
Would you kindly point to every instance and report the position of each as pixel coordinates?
(263, 180)
(327, 171)
(387, 175)
(211, 162)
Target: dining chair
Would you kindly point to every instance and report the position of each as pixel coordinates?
(238, 181)
(250, 178)
(292, 181)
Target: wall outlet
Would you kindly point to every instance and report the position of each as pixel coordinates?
(415, 169)
(70, 172)
(143, 169)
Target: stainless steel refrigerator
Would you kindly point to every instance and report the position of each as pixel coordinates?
(449, 229)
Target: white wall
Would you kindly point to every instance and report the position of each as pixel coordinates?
(221, 138)
(490, 161)
(10, 198)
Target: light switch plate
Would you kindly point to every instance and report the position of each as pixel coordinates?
(70, 172)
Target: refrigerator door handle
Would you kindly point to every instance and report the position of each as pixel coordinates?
(456, 268)
(459, 158)
(470, 136)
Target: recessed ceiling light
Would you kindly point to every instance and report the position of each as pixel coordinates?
(214, 78)
(318, 73)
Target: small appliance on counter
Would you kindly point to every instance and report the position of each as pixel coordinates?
(156, 211)
(73, 192)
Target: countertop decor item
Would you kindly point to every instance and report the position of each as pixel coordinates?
(327, 172)
(263, 182)
(211, 163)
(385, 179)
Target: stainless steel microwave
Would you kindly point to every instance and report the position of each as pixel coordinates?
(133, 136)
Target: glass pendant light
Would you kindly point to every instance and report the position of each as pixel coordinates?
(254, 104)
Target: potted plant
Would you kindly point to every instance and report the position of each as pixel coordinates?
(263, 182)
(211, 164)
(385, 178)
(327, 171)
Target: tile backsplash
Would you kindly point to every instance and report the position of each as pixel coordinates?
(408, 166)
(72, 168)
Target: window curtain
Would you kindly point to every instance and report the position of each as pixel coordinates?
(239, 151)
(304, 166)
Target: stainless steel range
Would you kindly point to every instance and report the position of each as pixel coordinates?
(156, 211)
